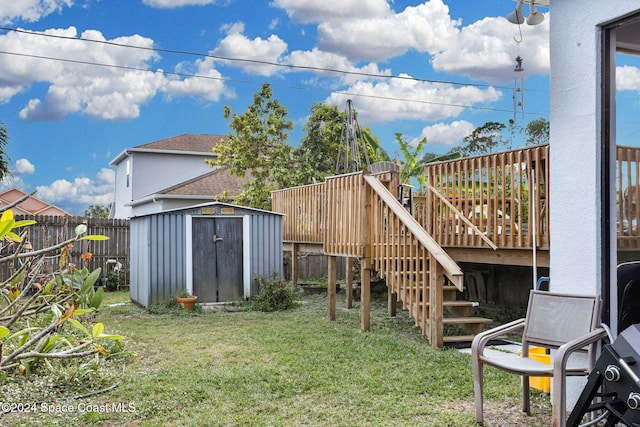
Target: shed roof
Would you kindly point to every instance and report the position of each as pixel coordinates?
(208, 204)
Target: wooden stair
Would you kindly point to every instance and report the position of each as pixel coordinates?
(456, 312)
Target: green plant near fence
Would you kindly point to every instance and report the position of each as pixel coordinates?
(51, 230)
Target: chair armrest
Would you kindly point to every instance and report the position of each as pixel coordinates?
(480, 340)
(565, 350)
(559, 385)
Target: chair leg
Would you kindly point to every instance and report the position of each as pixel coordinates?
(526, 398)
(559, 401)
(478, 380)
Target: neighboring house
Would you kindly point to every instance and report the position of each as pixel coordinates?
(169, 174)
(31, 206)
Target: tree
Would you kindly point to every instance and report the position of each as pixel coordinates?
(319, 146)
(97, 211)
(412, 167)
(325, 138)
(484, 139)
(4, 159)
(256, 147)
(537, 132)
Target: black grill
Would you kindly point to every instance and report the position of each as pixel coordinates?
(617, 376)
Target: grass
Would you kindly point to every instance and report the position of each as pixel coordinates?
(292, 368)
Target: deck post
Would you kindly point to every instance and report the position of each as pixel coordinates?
(331, 287)
(436, 327)
(349, 282)
(392, 302)
(365, 295)
(294, 264)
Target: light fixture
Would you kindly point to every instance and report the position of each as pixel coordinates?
(535, 17)
(516, 17)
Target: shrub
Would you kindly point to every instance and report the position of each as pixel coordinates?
(47, 316)
(274, 295)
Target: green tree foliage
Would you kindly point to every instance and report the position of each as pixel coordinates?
(257, 148)
(97, 211)
(537, 132)
(319, 147)
(4, 159)
(484, 139)
(411, 166)
(325, 138)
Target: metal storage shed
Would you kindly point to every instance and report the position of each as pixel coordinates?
(215, 250)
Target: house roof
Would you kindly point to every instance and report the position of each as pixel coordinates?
(205, 186)
(193, 142)
(188, 143)
(211, 183)
(31, 206)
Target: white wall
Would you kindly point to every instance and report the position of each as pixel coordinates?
(156, 171)
(575, 255)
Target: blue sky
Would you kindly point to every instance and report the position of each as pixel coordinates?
(68, 119)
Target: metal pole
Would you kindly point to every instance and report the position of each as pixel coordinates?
(533, 226)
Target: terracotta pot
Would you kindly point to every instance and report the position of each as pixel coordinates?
(188, 303)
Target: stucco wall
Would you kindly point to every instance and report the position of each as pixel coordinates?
(575, 256)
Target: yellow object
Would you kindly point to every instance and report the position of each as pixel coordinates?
(539, 383)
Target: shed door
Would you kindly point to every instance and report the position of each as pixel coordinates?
(217, 259)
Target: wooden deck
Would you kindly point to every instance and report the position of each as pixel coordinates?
(490, 209)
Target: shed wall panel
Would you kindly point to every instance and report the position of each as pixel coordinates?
(139, 256)
(167, 256)
(266, 247)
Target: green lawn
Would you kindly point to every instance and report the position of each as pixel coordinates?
(292, 368)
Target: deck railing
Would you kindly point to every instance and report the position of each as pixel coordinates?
(500, 198)
(303, 208)
(627, 197)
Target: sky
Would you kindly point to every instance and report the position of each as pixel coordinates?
(82, 80)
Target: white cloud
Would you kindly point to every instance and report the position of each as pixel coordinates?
(75, 196)
(109, 93)
(628, 78)
(29, 10)
(321, 10)
(486, 50)
(24, 167)
(320, 59)
(445, 134)
(237, 45)
(396, 99)
(424, 28)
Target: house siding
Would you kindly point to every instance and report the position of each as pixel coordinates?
(576, 78)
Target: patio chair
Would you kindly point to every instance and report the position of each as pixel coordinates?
(562, 323)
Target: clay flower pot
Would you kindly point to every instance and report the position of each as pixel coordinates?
(188, 303)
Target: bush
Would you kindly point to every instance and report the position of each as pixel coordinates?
(48, 308)
(274, 295)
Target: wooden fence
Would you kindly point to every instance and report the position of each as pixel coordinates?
(50, 230)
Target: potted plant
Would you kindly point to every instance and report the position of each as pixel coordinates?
(187, 300)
